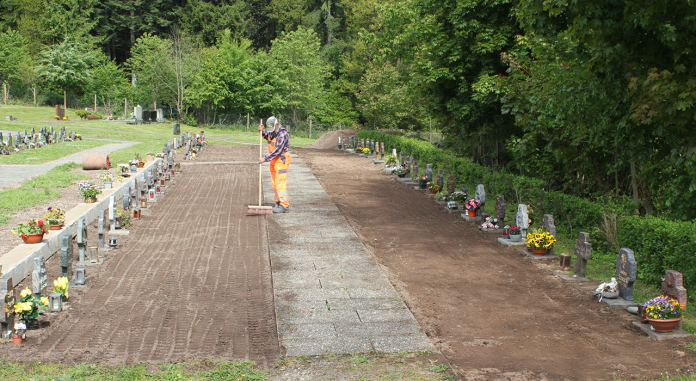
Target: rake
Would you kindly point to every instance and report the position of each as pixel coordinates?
(259, 209)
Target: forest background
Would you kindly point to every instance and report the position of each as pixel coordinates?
(594, 98)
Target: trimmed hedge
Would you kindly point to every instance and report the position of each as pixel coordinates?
(660, 245)
(571, 213)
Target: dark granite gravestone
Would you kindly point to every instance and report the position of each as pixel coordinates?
(500, 209)
(100, 230)
(450, 184)
(626, 271)
(82, 240)
(550, 227)
(440, 179)
(39, 277)
(66, 256)
(480, 195)
(583, 250)
(429, 172)
(401, 158)
(7, 296)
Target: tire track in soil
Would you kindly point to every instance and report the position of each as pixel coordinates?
(192, 281)
(491, 311)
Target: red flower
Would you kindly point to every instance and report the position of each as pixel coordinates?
(24, 235)
(40, 222)
(43, 231)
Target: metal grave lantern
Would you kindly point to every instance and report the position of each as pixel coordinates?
(112, 242)
(94, 254)
(158, 189)
(136, 213)
(152, 195)
(55, 302)
(177, 167)
(80, 276)
(117, 222)
(162, 183)
(143, 203)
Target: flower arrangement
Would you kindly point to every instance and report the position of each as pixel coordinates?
(366, 151)
(540, 239)
(29, 307)
(490, 223)
(514, 230)
(442, 195)
(434, 187)
(137, 161)
(390, 160)
(472, 205)
(106, 177)
(663, 308)
(78, 136)
(358, 149)
(20, 330)
(423, 180)
(458, 196)
(88, 189)
(31, 227)
(61, 286)
(54, 216)
(159, 154)
(126, 215)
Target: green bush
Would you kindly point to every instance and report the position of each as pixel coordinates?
(660, 245)
(83, 114)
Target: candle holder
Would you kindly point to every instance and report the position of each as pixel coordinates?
(117, 222)
(80, 276)
(94, 254)
(177, 167)
(55, 301)
(143, 203)
(136, 213)
(112, 242)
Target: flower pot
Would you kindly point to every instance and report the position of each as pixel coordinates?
(664, 325)
(107, 185)
(17, 340)
(140, 165)
(32, 324)
(402, 175)
(56, 227)
(472, 213)
(538, 251)
(90, 200)
(432, 192)
(33, 238)
(422, 185)
(150, 158)
(515, 237)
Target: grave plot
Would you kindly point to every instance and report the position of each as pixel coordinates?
(192, 280)
(491, 311)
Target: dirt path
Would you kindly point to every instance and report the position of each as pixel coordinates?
(494, 313)
(191, 281)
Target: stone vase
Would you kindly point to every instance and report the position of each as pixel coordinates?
(107, 185)
(515, 237)
(664, 325)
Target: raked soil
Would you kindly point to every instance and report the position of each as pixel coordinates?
(494, 313)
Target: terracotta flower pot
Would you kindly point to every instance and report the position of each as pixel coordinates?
(472, 213)
(17, 340)
(33, 238)
(141, 164)
(56, 227)
(664, 325)
(538, 251)
(432, 192)
(90, 200)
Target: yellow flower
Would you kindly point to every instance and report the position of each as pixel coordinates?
(26, 292)
(44, 300)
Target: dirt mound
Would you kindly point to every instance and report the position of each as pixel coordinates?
(330, 139)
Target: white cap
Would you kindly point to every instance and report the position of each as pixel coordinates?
(271, 123)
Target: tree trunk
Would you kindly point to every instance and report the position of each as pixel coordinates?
(634, 183)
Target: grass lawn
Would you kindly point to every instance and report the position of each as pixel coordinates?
(50, 152)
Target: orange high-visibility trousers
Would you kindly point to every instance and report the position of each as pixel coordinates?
(279, 179)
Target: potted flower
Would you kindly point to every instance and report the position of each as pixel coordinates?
(540, 241)
(442, 195)
(459, 197)
(390, 160)
(138, 161)
(107, 178)
(29, 307)
(366, 151)
(89, 191)
(490, 224)
(150, 157)
(472, 205)
(515, 233)
(400, 171)
(20, 333)
(433, 187)
(663, 313)
(358, 150)
(55, 218)
(423, 182)
(61, 286)
(31, 232)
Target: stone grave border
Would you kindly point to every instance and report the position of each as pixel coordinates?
(19, 262)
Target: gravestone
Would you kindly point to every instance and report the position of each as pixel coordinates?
(500, 209)
(143, 185)
(362, 143)
(673, 286)
(450, 184)
(82, 240)
(7, 296)
(401, 158)
(100, 230)
(414, 174)
(66, 256)
(429, 172)
(60, 112)
(626, 271)
(9, 140)
(522, 220)
(39, 277)
(126, 197)
(550, 227)
(480, 195)
(583, 251)
(463, 190)
(381, 150)
(440, 179)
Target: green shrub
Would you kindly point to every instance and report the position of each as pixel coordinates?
(660, 245)
(83, 114)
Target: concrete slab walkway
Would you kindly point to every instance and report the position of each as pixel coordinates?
(330, 294)
(11, 174)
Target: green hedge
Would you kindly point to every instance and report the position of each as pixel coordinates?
(660, 245)
(571, 214)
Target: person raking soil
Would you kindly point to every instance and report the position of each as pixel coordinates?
(278, 142)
